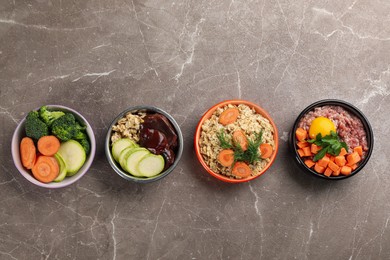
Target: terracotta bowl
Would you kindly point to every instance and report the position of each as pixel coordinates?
(208, 114)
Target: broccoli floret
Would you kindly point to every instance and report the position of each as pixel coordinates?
(35, 127)
(49, 116)
(79, 135)
(64, 127)
(86, 145)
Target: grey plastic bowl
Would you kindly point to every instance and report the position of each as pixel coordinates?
(117, 168)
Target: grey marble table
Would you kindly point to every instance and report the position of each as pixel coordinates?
(100, 57)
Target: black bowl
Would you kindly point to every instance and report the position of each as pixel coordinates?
(351, 109)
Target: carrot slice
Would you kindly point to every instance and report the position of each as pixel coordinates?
(240, 139)
(265, 150)
(48, 145)
(300, 152)
(309, 163)
(353, 158)
(318, 168)
(226, 157)
(28, 152)
(241, 169)
(346, 170)
(46, 169)
(328, 172)
(229, 116)
(359, 150)
(340, 160)
(301, 134)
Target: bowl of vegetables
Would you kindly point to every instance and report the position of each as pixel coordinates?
(143, 144)
(53, 146)
(236, 141)
(331, 139)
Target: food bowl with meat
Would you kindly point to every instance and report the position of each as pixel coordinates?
(331, 139)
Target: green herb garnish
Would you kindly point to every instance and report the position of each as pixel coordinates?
(330, 144)
(251, 154)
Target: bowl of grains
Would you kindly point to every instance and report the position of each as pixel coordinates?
(331, 139)
(236, 141)
(143, 144)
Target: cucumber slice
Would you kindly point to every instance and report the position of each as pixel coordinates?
(120, 145)
(62, 165)
(133, 159)
(124, 154)
(150, 165)
(74, 156)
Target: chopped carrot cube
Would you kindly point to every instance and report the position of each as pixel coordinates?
(301, 134)
(300, 152)
(333, 166)
(346, 170)
(318, 168)
(328, 172)
(309, 163)
(324, 161)
(353, 158)
(336, 173)
(359, 150)
(340, 160)
(302, 144)
(306, 151)
(342, 152)
(354, 166)
(315, 148)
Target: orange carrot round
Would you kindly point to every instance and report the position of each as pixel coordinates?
(229, 116)
(240, 139)
(265, 150)
(241, 169)
(46, 169)
(48, 145)
(226, 157)
(28, 152)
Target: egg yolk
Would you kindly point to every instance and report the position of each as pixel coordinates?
(321, 125)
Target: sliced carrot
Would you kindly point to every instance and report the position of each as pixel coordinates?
(336, 173)
(359, 150)
(315, 148)
(306, 151)
(301, 153)
(333, 166)
(309, 163)
(318, 168)
(229, 116)
(301, 134)
(346, 170)
(353, 158)
(226, 157)
(340, 160)
(46, 169)
(241, 169)
(302, 144)
(48, 145)
(265, 150)
(328, 172)
(343, 152)
(28, 152)
(324, 161)
(240, 138)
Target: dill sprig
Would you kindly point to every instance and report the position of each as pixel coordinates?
(224, 141)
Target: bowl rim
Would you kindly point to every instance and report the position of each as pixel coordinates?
(118, 169)
(207, 115)
(350, 108)
(68, 180)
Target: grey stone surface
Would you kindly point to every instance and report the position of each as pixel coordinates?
(100, 57)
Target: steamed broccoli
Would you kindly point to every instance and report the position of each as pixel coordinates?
(65, 127)
(86, 145)
(49, 116)
(35, 127)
